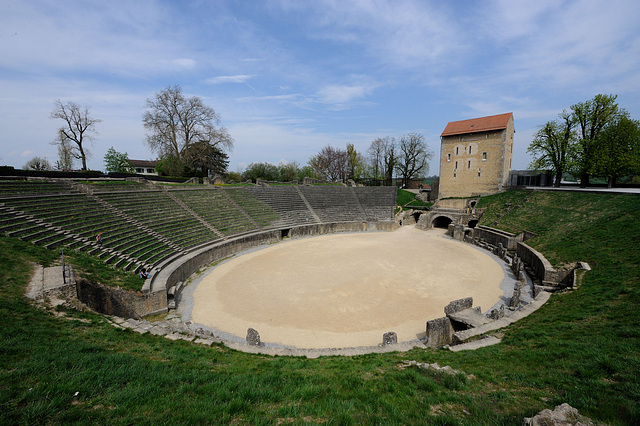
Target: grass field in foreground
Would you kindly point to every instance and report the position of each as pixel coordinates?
(582, 347)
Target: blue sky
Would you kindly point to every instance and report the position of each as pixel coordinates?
(290, 76)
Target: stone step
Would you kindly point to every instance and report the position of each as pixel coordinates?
(471, 317)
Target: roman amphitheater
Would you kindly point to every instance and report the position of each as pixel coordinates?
(296, 267)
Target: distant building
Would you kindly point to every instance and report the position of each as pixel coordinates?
(530, 178)
(144, 167)
(475, 156)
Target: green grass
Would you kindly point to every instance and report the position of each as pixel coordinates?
(407, 200)
(582, 347)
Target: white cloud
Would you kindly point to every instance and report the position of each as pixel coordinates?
(357, 88)
(240, 78)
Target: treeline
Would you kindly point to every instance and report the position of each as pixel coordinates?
(406, 158)
(596, 138)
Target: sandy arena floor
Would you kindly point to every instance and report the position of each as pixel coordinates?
(345, 290)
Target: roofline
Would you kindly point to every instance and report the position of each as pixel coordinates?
(469, 131)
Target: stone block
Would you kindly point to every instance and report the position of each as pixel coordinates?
(458, 305)
(496, 314)
(515, 298)
(253, 337)
(390, 338)
(439, 332)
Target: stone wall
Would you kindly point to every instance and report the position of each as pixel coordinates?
(180, 269)
(541, 267)
(119, 302)
(496, 236)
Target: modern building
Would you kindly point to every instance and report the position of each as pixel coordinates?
(144, 167)
(475, 156)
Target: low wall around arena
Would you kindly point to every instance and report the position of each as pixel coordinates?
(505, 244)
(496, 236)
(541, 266)
(171, 277)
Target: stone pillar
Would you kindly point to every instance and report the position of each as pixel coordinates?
(390, 338)
(439, 332)
(253, 337)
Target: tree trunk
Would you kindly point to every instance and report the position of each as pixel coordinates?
(584, 180)
(610, 182)
(558, 178)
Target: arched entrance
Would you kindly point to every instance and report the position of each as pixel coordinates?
(472, 223)
(441, 222)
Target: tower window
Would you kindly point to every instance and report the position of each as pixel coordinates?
(448, 157)
(484, 156)
(469, 164)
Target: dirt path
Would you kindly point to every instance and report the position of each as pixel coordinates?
(345, 290)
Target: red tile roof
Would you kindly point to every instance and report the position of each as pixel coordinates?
(482, 124)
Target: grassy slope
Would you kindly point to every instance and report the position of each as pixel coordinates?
(581, 348)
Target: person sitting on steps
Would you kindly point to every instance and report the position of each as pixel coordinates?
(144, 274)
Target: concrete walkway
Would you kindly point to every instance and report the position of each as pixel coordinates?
(596, 189)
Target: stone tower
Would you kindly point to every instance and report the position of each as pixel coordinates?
(475, 156)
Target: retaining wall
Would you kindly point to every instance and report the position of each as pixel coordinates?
(180, 269)
(541, 266)
(119, 302)
(494, 236)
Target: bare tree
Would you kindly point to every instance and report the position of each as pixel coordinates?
(37, 163)
(330, 163)
(413, 157)
(79, 128)
(66, 159)
(175, 124)
(375, 156)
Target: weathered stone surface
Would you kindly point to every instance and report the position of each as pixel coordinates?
(390, 338)
(515, 298)
(458, 305)
(562, 415)
(253, 337)
(439, 332)
(470, 317)
(496, 314)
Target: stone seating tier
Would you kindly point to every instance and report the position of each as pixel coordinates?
(147, 226)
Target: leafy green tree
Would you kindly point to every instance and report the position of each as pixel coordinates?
(553, 146)
(355, 163)
(205, 159)
(306, 171)
(617, 150)
(288, 171)
(266, 171)
(591, 117)
(234, 177)
(117, 162)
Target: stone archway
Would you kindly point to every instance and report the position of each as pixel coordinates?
(441, 222)
(472, 223)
